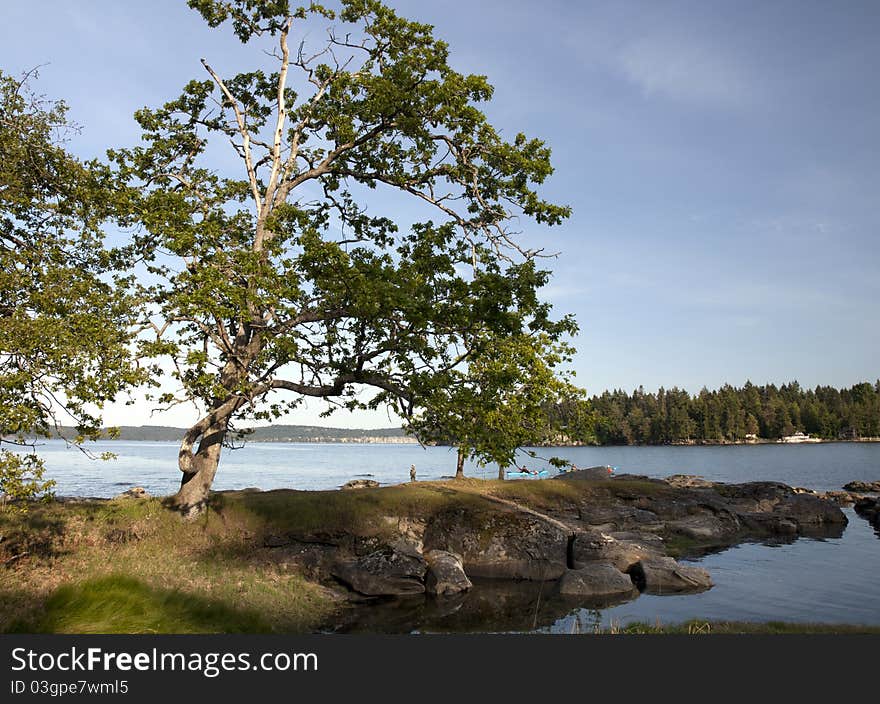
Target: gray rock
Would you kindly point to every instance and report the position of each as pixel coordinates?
(385, 572)
(705, 527)
(809, 511)
(689, 481)
(591, 548)
(445, 574)
(663, 575)
(361, 484)
(603, 471)
(500, 545)
(596, 580)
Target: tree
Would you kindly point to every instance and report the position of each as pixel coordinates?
(287, 279)
(64, 321)
(505, 399)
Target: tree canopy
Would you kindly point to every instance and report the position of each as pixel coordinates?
(65, 322)
(286, 276)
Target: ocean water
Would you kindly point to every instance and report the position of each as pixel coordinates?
(153, 465)
(834, 579)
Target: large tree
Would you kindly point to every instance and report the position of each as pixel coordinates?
(65, 322)
(288, 277)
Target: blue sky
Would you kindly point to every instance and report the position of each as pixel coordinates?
(722, 161)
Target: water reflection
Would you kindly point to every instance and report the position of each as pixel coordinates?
(498, 606)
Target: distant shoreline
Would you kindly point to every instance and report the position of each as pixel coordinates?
(396, 436)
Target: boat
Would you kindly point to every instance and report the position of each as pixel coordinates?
(800, 437)
(516, 474)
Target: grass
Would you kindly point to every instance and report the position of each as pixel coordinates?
(121, 604)
(697, 627)
(360, 512)
(160, 574)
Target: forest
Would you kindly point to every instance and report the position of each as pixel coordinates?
(730, 414)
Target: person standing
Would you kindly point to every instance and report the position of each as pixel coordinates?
(412, 472)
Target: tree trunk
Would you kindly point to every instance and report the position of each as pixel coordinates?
(195, 484)
(501, 474)
(459, 468)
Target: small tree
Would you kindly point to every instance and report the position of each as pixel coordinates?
(64, 321)
(287, 279)
(506, 398)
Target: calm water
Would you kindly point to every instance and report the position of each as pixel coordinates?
(832, 580)
(153, 465)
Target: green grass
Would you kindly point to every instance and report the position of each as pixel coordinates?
(160, 573)
(359, 512)
(122, 604)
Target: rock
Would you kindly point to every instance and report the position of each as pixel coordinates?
(871, 487)
(663, 575)
(136, 492)
(688, 481)
(385, 572)
(313, 560)
(803, 490)
(276, 541)
(705, 527)
(500, 545)
(769, 523)
(361, 484)
(445, 574)
(841, 498)
(596, 580)
(600, 472)
(412, 530)
(774, 508)
(868, 507)
(807, 510)
(590, 548)
(618, 518)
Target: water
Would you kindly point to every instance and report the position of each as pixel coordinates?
(830, 580)
(153, 465)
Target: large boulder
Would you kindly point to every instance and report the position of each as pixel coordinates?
(389, 571)
(445, 574)
(663, 575)
(595, 581)
(500, 544)
(591, 548)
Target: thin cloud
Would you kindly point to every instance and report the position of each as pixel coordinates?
(683, 69)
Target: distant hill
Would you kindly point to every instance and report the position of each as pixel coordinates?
(274, 433)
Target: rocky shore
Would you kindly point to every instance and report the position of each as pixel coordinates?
(594, 541)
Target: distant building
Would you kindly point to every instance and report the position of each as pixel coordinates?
(848, 434)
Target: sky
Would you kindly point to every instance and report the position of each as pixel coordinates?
(722, 160)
